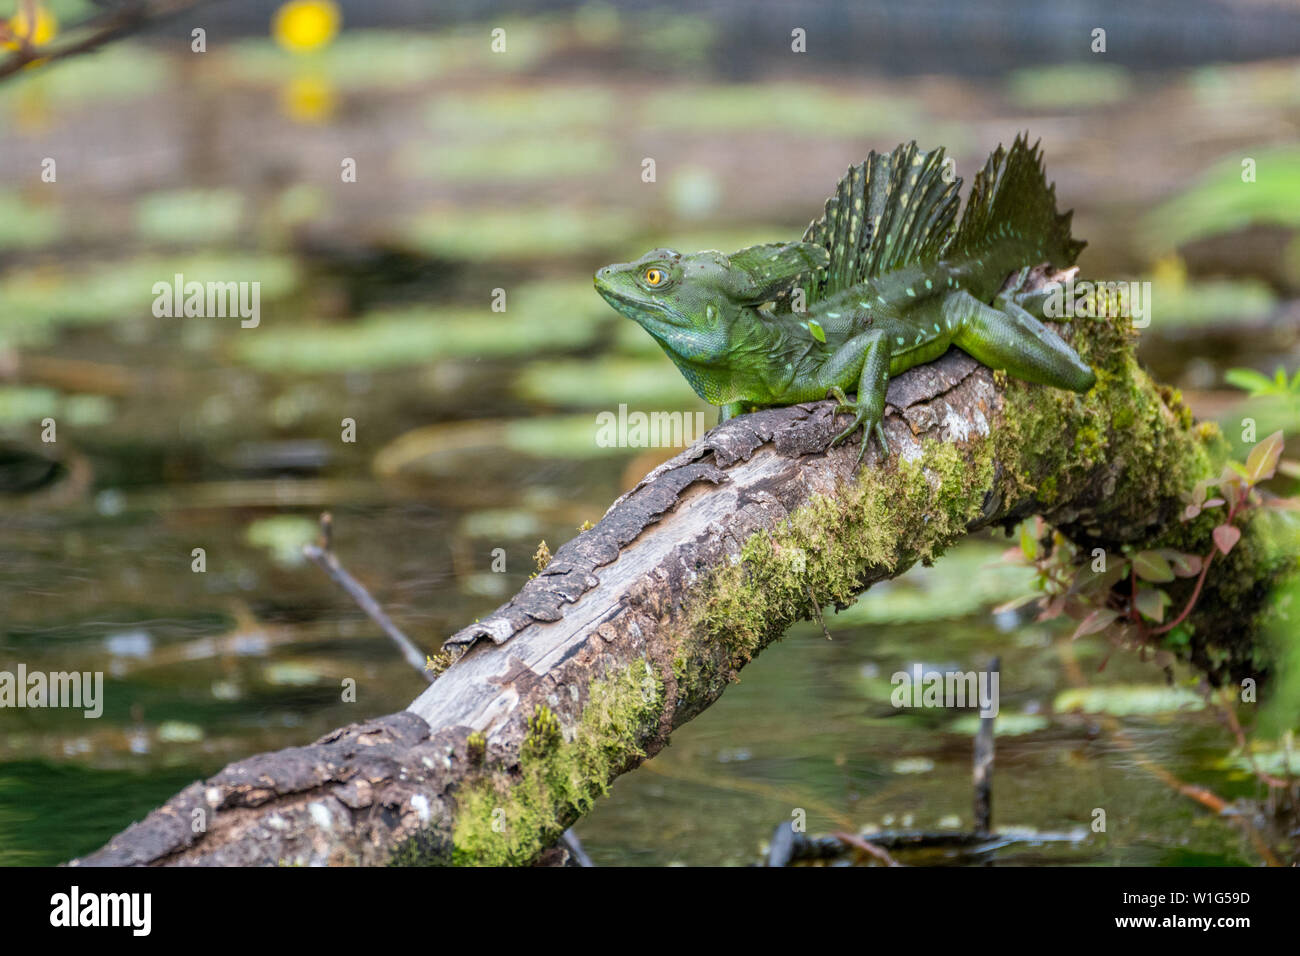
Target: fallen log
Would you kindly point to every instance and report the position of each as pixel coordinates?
(639, 624)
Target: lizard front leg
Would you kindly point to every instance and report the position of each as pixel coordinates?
(869, 354)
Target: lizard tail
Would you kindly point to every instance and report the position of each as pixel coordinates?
(1011, 198)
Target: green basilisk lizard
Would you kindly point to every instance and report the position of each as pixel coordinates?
(889, 280)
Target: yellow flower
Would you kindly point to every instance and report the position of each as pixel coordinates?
(303, 25)
(40, 33)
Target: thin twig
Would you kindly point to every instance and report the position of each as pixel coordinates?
(322, 555)
(850, 839)
(982, 774)
(817, 612)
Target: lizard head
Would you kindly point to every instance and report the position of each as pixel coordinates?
(690, 303)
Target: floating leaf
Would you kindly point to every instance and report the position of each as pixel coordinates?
(1121, 701)
(179, 732)
(1004, 725)
(913, 765)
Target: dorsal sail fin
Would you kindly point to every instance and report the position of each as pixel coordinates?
(1011, 196)
(893, 209)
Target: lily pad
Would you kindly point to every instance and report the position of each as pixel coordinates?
(189, 216)
(1277, 762)
(179, 732)
(789, 108)
(292, 674)
(541, 317)
(519, 159)
(969, 578)
(34, 302)
(501, 524)
(1069, 85)
(119, 71)
(607, 382)
(911, 765)
(1127, 701)
(27, 405)
(442, 448)
(1004, 724)
(27, 224)
(485, 234)
(521, 109)
(283, 536)
(386, 59)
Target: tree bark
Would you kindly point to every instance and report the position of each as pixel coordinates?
(638, 624)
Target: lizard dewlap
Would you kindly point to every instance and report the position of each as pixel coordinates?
(890, 279)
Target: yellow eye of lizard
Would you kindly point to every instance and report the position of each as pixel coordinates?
(654, 276)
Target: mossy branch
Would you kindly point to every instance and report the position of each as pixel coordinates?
(638, 624)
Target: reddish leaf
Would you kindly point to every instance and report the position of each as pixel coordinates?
(1184, 565)
(1191, 511)
(1098, 620)
(1014, 556)
(1053, 609)
(1225, 536)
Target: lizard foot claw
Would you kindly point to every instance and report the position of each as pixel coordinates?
(862, 419)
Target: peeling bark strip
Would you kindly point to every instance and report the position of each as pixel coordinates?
(638, 624)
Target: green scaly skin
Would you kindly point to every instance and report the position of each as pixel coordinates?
(719, 318)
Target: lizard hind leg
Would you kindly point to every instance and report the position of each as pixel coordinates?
(868, 409)
(1011, 339)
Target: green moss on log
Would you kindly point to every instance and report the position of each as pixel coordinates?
(823, 551)
(508, 816)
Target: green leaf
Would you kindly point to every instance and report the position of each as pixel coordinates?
(1152, 566)
(1249, 380)
(1029, 539)
(1151, 603)
(817, 332)
(1261, 464)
